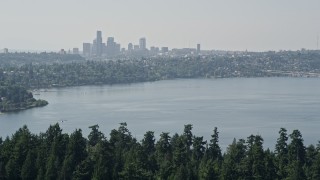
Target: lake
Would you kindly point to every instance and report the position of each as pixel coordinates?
(239, 107)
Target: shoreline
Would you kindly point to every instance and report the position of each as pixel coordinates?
(46, 89)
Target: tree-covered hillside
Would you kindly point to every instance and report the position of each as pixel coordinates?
(13, 98)
(56, 155)
(77, 73)
(18, 59)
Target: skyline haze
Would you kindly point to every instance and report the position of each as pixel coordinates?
(222, 25)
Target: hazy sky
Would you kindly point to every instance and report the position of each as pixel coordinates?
(255, 25)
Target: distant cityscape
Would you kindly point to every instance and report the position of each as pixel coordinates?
(110, 48)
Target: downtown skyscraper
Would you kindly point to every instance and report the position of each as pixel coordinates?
(99, 44)
(143, 43)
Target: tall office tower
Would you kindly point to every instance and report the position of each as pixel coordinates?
(164, 49)
(143, 43)
(110, 46)
(130, 47)
(86, 49)
(117, 48)
(198, 48)
(75, 51)
(94, 47)
(62, 51)
(104, 48)
(136, 47)
(99, 43)
(5, 50)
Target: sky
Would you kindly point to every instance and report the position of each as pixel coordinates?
(253, 25)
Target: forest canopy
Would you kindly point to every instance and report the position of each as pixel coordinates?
(57, 155)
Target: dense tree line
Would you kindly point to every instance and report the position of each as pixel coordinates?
(18, 59)
(56, 155)
(75, 73)
(14, 98)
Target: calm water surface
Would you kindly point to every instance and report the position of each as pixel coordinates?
(238, 107)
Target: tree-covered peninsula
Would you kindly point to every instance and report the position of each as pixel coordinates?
(57, 155)
(14, 98)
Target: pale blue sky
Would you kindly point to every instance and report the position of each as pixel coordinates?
(256, 25)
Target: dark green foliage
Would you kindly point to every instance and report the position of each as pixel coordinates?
(28, 170)
(297, 156)
(14, 98)
(233, 164)
(75, 154)
(95, 135)
(84, 170)
(54, 155)
(214, 148)
(281, 151)
(258, 165)
(103, 160)
(270, 166)
(198, 148)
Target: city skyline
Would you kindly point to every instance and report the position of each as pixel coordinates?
(220, 25)
(111, 48)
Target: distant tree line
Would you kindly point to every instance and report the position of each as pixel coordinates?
(80, 72)
(56, 155)
(18, 59)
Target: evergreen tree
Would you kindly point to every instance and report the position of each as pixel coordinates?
(270, 166)
(28, 170)
(121, 141)
(249, 159)
(164, 156)
(84, 170)
(232, 167)
(187, 134)
(76, 153)
(281, 152)
(297, 155)
(147, 155)
(5, 154)
(22, 141)
(133, 168)
(316, 165)
(181, 173)
(102, 160)
(214, 148)
(311, 156)
(208, 168)
(163, 147)
(180, 153)
(56, 156)
(41, 160)
(258, 168)
(95, 135)
(198, 148)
